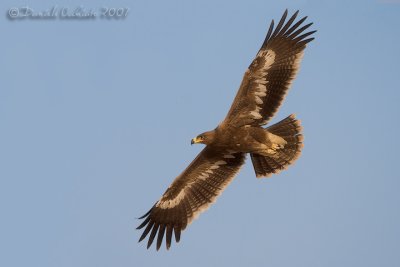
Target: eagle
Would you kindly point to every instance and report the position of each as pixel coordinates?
(272, 149)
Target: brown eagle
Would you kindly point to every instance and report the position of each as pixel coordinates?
(271, 149)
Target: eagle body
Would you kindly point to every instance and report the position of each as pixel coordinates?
(244, 139)
(272, 149)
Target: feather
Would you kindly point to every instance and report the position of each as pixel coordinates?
(153, 234)
(160, 236)
(294, 27)
(271, 27)
(143, 223)
(146, 231)
(168, 236)
(177, 232)
(289, 22)
(293, 35)
(280, 24)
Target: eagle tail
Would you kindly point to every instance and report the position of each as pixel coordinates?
(290, 130)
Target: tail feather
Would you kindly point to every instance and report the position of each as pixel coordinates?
(261, 166)
(290, 130)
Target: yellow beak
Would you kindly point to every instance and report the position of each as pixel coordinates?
(195, 140)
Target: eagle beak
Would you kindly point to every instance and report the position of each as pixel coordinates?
(195, 141)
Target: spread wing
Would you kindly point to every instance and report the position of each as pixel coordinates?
(270, 75)
(190, 193)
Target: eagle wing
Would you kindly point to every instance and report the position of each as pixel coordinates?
(270, 75)
(189, 194)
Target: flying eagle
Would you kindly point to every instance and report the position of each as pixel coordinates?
(271, 149)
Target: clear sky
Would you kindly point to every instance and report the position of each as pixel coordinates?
(96, 118)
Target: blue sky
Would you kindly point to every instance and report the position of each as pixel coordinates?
(97, 116)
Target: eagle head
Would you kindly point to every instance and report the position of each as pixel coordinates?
(204, 138)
